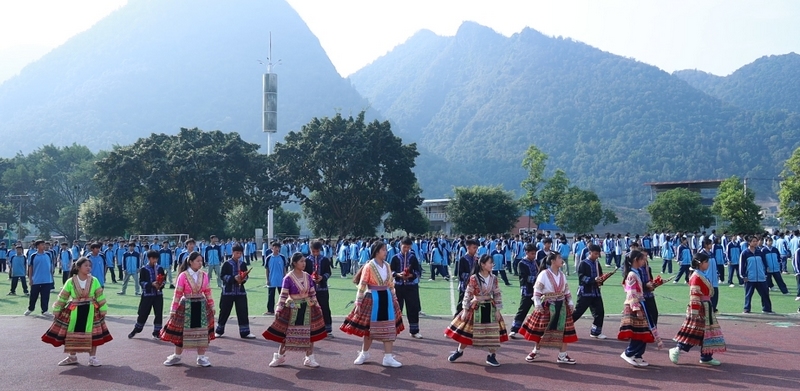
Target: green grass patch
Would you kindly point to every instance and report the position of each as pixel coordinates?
(435, 296)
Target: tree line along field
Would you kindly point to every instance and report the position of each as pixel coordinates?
(435, 296)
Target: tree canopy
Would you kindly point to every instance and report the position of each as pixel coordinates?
(347, 174)
(483, 210)
(181, 183)
(58, 179)
(679, 210)
(789, 193)
(737, 206)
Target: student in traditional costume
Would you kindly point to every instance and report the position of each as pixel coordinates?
(376, 315)
(191, 316)
(464, 267)
(406, 271)
(151, 279)
(298, 320)
(234, 274)
(590, 279)
(528, 271)
(80, 313)
(319, 267)
(638, 324)
(551, 324)
(480, 323)
(700, 328)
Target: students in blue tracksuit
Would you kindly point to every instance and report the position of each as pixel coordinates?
(499, 258)
(131, 260)
(98, 263)
(719, 257)
(17, 264)
(65, 259)
(108, 259)
(165, 260)
(438, 262)
(711, 272)
(733, 254)
(275, 271)
(564, 250)
(40, 274)
(608, 248)
(773, 257)
(753, 266)
(4, 255)
(214, 256)
(783, 247)
(647, 245)
(667, 255)
(685, 258)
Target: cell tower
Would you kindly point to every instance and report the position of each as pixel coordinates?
(269, 121)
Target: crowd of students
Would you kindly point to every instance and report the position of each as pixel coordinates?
(387, 273)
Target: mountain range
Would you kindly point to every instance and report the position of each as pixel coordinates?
(478, 99)
(155, 66)
(473, 102)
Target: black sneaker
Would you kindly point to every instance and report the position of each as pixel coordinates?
(455, 356)
(132, 334)
(156, 335)
(491, 360)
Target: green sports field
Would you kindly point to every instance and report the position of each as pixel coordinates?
(436, 295)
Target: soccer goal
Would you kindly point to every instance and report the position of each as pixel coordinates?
(173, 239)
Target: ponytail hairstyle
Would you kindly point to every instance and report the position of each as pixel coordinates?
(185, 265)
(73, 271)
(698, 259)
(628, 266)
(476, 268)
(547, 261)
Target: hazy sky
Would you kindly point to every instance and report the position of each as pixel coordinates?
(713, 36)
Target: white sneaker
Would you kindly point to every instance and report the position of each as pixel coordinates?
(310, 362)
(512, 335)
(277, 360)
(417, 335)
(172, 359)
(27, 312)
(70, 360)
(600, 336)
(640, 361)
(389, 361)
(203, 361)
(217, 335)
(628, 360)
(249, 336)
(362, 356)
(797, 298)
(94, 362)
(47, 314)
(731, 286)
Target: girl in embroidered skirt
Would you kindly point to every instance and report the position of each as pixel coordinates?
(480, 323)
(550, 324)
(376, 315)
(191, 316)
(80, 313)
(638, 324)
(700, 328)
(298, 318)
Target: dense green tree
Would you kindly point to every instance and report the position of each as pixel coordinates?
(184, 183)
(789, 193)
(347, 173)
(679, 210)
(412, 221)
(483, 209)
(534, 164)
(102, 219)
(581, 210)
(551, 196)
(737, 206)
(59, 179)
